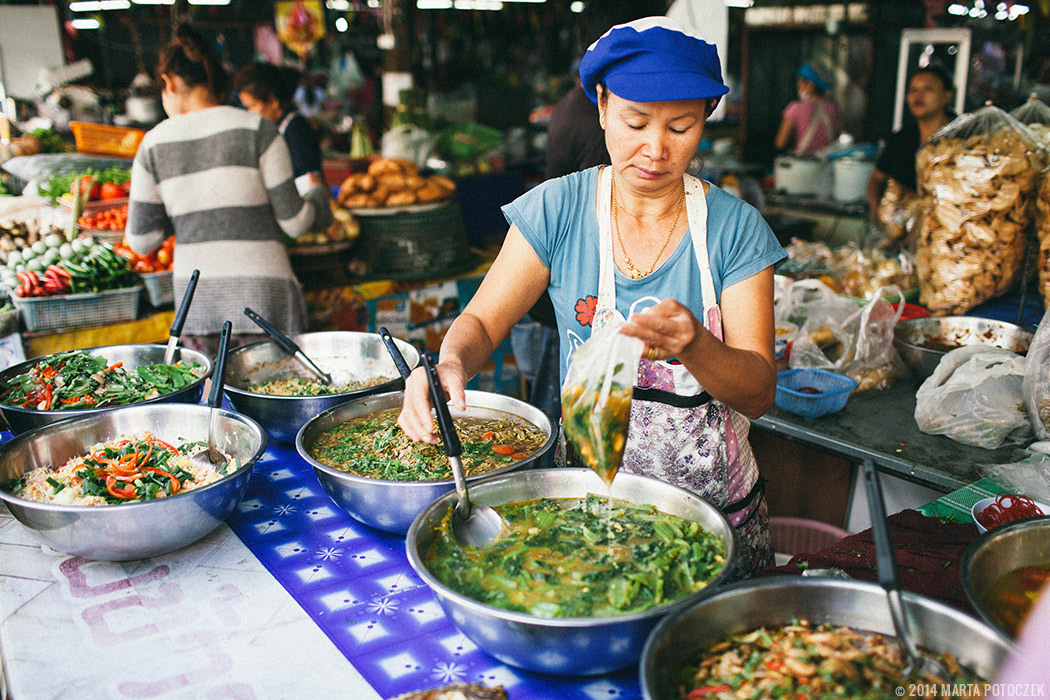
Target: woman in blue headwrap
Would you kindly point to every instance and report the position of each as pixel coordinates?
(810, 123)
(689, 266)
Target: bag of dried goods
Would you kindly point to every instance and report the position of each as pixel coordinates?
(974, 397)
(1037, 379)
(596, 398)
(1035, 114)
(978, 178)
(899, 211)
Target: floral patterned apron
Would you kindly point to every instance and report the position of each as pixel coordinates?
(678, 433)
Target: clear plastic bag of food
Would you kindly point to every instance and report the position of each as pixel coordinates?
(1036, 385)
(596, 398)
(1035, 114)
(974, 396)
(978, 177)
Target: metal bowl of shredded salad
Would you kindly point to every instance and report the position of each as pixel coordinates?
(121, 485)
(78, 383)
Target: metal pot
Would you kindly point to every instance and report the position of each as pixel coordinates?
(393, 505)
(128, 531)
(679, 640)
(22, 419)
(922, 342)
(361, 355)
(574, 645)
(802, 176)
(999, 551)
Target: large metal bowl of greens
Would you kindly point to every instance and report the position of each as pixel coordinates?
(79, 383)
(621, 602)
(140, 527)
(358, 363)
(680, 642)
(391, 502)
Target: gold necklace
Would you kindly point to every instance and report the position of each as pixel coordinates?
(634, 271)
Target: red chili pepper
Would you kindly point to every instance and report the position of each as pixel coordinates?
(126, 493)
(697, 693)
(48, 397)
(165, 445)
(519, 455)
(503, 449)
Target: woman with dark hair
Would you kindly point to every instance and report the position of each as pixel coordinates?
(220, 179)
(810, 123)
(269, 91)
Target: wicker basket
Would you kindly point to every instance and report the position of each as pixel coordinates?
(413, 244)
(160, 287)
(105, 139)
(73, 310)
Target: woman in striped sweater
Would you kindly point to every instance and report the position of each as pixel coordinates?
(220, 179)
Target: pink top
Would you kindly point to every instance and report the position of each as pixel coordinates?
(815, 121)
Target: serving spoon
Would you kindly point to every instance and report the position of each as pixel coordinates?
(289, 346)
(472, 523)
(213, 455)
(918, 663)
(180, 317)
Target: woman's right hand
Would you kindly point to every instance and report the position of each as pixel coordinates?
(415, 418)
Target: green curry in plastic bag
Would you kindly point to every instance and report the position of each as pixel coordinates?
(596, 398)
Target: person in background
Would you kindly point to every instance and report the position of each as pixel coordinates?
(811, 123)
(267, 90)
(688, 266)
(929, 98)
(309, 95)
(220, 179)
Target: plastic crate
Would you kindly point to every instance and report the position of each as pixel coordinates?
(160, 287)
(73, 310)
(106, 139)
(832, 391)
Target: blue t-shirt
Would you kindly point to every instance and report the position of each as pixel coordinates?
(558, 220)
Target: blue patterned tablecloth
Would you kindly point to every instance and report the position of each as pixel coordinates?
(357, 585)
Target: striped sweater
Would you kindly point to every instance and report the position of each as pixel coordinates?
(220, 179)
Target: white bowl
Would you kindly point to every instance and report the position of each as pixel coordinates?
(980, 505)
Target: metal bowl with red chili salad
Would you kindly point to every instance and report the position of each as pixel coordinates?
(374, 446)
(129, 469)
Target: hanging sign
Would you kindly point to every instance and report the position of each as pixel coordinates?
(806, 15)
(300, 24)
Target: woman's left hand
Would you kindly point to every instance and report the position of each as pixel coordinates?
(667, 329)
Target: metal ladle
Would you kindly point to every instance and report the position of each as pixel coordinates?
(918, 663)
(180, 317)
(472, 524)
(213, 455)
(289, 346)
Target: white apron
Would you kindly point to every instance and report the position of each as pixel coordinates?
(678, 433)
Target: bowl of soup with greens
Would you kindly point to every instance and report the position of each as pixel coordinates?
(582, 571)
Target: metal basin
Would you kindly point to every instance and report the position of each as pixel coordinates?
(922, 342)
(22, 419)
(127, 531)
(573, 645)
(361, 355)
(678, 640)
(393, 505)
(998, 552)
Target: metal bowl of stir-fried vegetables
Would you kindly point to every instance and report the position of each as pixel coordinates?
(266, 383)
(386, 491)
(145, 513)
(767, 634)
(86, 382)
(577, 582)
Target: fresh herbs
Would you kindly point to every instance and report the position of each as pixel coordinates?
(76, 379)
(580, 558)
(303, 386)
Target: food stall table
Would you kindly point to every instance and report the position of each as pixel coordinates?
(290, 598)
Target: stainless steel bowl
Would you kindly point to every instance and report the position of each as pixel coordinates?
(679, 639)
(922, 342)
(578, 646)
(133, 530)
(360, 355)
(393, 505)
(22, 419)
(999, 551)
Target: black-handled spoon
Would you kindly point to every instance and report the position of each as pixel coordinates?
(395, 353)
(288, 345)
(180, 317)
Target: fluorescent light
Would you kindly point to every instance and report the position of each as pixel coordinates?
(576, 7)
(153, 2)
(482, 4)
(739, 3)
(433, 4)
(338, 5)
(86, 23)
(957, 9)
(341, 25)
(524, 0)
(85, 6)
(209, 2)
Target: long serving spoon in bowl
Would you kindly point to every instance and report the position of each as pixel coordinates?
(289, 346)
(395, 354)
(213, 455)
(472, 523)
(180, 317)
(918, 664)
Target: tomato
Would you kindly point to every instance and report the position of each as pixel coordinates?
(110, 190)
(164, 257)
(87, 182)
(125, 187)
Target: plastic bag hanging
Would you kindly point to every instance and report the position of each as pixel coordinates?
(596, 398)
(1036, 116)
(978, 177)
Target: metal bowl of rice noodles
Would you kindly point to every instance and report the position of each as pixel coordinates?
(680, 640)
(390, 505)
(358, 361)
(134, 530)
(579, 646)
